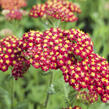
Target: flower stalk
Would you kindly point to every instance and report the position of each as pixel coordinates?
(12, 93)
(48, 93)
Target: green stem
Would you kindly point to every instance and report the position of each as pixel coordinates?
(66, 95)
(48, 94)
(88, 105)
(12, 93)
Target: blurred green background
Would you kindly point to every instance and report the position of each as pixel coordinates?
(31, 91)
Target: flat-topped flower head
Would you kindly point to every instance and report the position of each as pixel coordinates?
(12, 4)
(50, 50)
(10, 55)
(14, 15)
(58, 9)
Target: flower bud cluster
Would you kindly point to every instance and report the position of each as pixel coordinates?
(87, 97)
(20, 67)
(58, 9)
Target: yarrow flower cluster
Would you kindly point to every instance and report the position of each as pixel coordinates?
(12, 4)
(71, 51)
(53, 49)
(10, 56)
(11, 8)
(14, 14)
(92, 73)
(59, 9)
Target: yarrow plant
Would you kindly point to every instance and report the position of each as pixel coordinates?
(71, 51)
